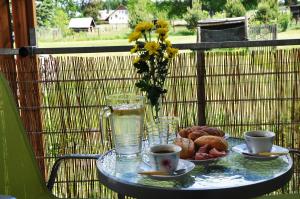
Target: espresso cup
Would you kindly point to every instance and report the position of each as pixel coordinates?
(164, 157)
(259, 141)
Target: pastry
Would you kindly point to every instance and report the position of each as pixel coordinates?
(213, 142)
(188, 147)
(209, 131)
(213, 131)
(194, 128)
(185, 132)
(197, 133)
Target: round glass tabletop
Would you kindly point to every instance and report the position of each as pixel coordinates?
(230, 176)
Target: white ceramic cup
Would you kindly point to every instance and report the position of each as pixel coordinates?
(259, 141)
(164, 157)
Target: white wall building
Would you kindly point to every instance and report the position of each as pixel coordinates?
(118, 16)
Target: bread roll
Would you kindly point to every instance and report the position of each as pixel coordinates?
(213, 142)
(188, 147)
(213, 131)
(198, 127)
(195, 134)
(185, 132)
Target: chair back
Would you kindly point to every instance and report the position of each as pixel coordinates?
(19, 173)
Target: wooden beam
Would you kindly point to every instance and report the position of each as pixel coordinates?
(24, 20)
(7, 63)
(20, 22)
(5, 33)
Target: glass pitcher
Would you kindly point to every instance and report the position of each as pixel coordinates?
(126, 116)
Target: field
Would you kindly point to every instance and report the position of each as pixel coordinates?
(290, 34)
(111, 42)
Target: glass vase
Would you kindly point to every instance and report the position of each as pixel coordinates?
(160, 128)
(153, 112)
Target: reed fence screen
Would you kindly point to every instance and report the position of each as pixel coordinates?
(244, 90)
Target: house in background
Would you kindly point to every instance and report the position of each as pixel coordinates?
(86, 24)
(117, 16)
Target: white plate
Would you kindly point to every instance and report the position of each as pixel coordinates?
(226, 136)
(242, 149)
(182, 164)
(210, 160)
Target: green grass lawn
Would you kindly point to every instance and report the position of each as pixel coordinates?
(115, 42)
(289, 34)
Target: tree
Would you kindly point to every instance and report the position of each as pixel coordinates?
(113, 4)
(91, 9)
(174, 9)
(194, 14)
(234, 8)
(44, 12)
(250, 4)
(140, 10)
(71, 7)
(214, 5)
(284, 20)
(267, 11)
(60, 19)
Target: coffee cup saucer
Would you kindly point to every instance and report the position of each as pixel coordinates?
(243, 150)
(182, 164)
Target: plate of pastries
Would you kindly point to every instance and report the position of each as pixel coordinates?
(202, 144)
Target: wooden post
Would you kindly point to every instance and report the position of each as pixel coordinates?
(24, 19)
(274, 32)
(246, 28)
(7, 63)
(198, 34)
(200, 81)
(201, 87)
(5, 32)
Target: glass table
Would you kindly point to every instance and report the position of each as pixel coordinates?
(232, 176)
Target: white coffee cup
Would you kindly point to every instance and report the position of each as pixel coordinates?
(259, 141)
(164, 157)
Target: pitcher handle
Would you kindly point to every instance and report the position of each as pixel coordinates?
(105, 112)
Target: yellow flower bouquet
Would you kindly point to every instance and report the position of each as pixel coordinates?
(153, 59)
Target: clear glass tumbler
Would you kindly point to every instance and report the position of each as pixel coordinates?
(126, 115)
(163, 130)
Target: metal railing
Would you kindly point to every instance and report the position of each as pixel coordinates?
(32, 50)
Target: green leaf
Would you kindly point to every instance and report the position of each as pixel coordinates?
(143, 85)
(142, 67)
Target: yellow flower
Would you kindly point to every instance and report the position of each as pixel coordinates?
(162, 31)
(142, 26)
(163, 37)
(168, 43)
(148, 25)
(134, 36)
(134, 49)
(136, 60)
(152, 47)
(162, 23)
(172, 52)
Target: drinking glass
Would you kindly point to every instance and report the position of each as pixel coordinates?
(126, 116)
(163, 130)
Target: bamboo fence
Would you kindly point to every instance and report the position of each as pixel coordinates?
(244, 90)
